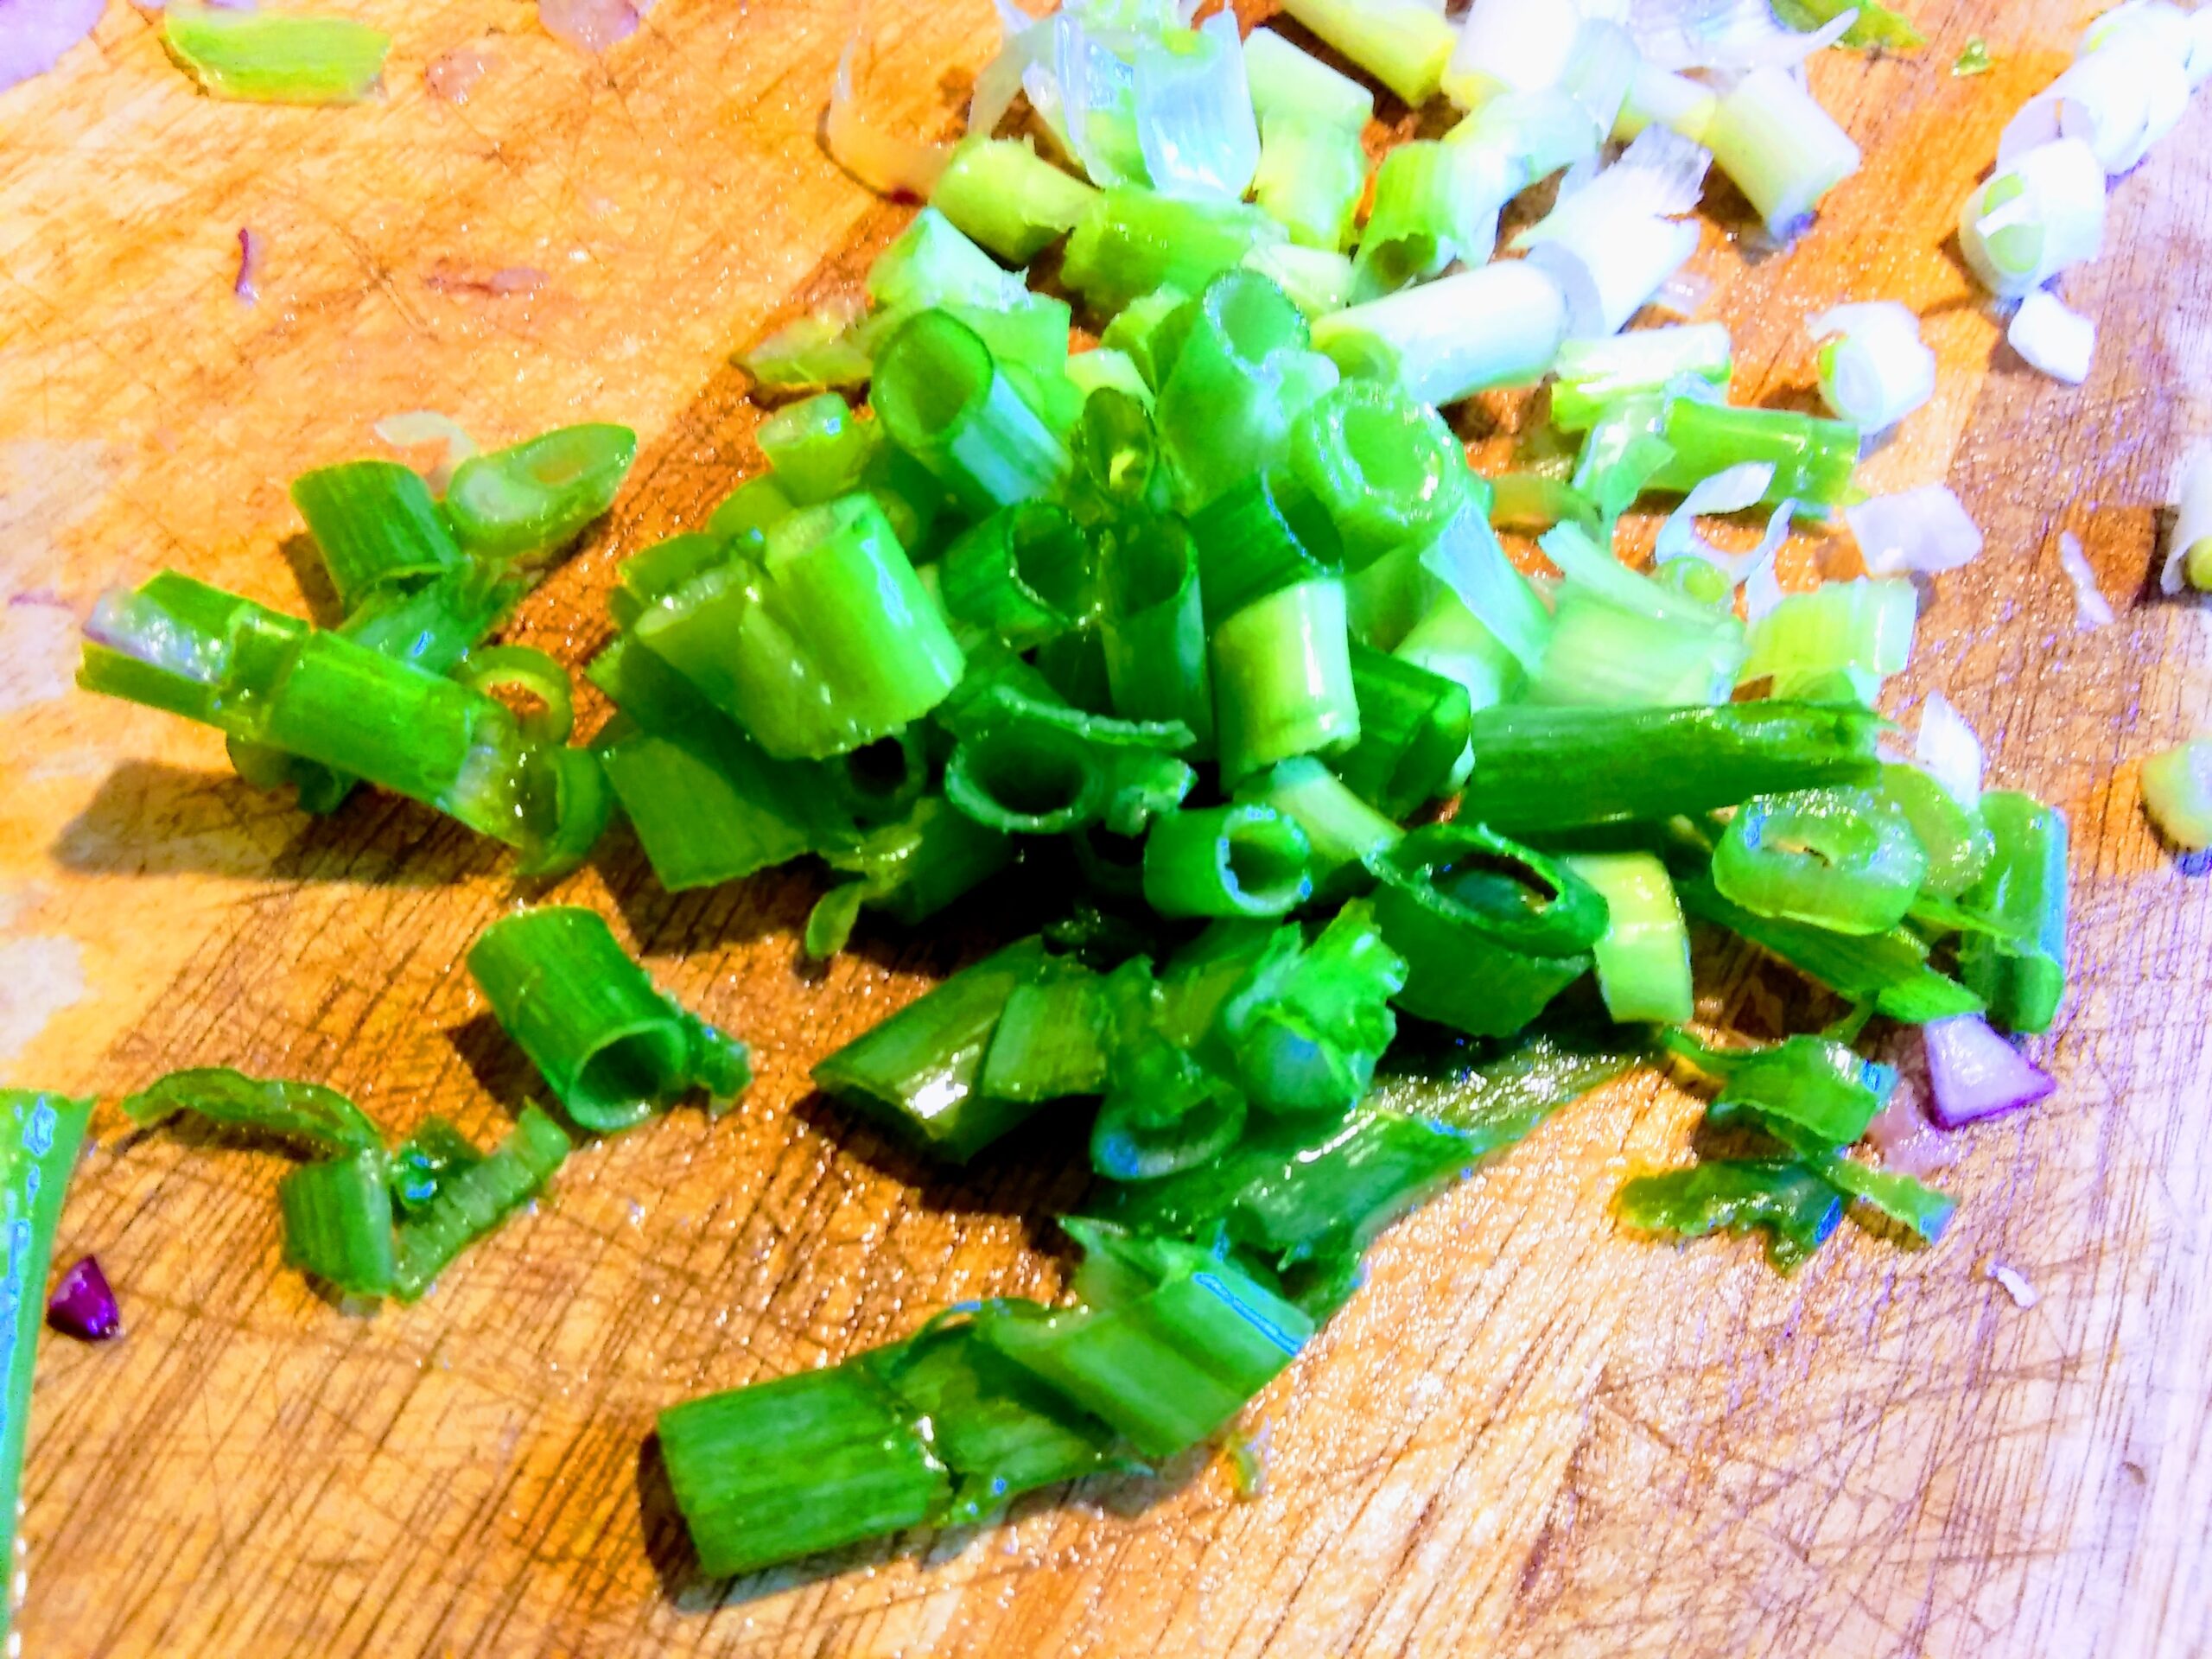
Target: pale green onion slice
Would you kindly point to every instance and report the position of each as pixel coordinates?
(1874, 369)
(2178, 793)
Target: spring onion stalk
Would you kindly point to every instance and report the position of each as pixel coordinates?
(2118, 98)
(1153, 629)
(613, 1050)
(521, 502)
(1195, 122)
(1500, 325)
(2041, 212)
(375, 525)
(306, 1114)
(182, 647)
(1591, 374)
(1957, 842)
(1490, 930)
(1403, 44)
(1282, 679)
(1266, 533)
(1227, 861)
(818, 447)
(1834, 858)
(1036, 767)
(1510, 46)
(1434, 204)
(1658, 98)
(1242, 375)
(2019, 967)
(1133, 241)
(1310, 176)
(1106, 370)
(1521, 139)
(1316, 280)
(1413, 731)
(1003, 194)
(261, 58)
(1611, 245)
(1386, 469)
(1119, 473)
(1643, 956)
(1812, 1093)
(1024, 573)
(472, 1202)
(1888, 970)
(2178, 793)
(1467, 558)
(1449, 639)
(424, 1164)
(40, 1135)
(1164, 1111)
(1841, 641)
(932, 264)
(1307, 1023)
(918, 1071)
(756, 504)
(1605, 655)
(1813, 459)
(1540, 771)
(1600, 67)
(1287, 81)
(337, 1223)
(941, 399)
(1341, 828)
(1782, 150)
(1874, 369)
(1794, 1207)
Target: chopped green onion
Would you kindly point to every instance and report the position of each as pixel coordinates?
(1402, 43)
(1468, 559)
(1264, 534)
(264, 58)
(1542, 769)
(1449, 639)
(1242, 375)
(374, 523)
(1227, 861)
(1782, 150)
(1307, 1023)
(1837, 643)
(1024, 573)
(1387, 597)
(1002, 193)
(910, 870)
(430, 1157)
(1030, 764)
(1518, 139)
(1973, 58)
(933, 264)
(1388, 471)
(1049, 1041)
(337, 1223)
(612, 1049)
(1874, 368)
(1812, 458)
(1835, 858)
(1192, 109)
(1164, 1111)
(1609, 655)
(1792, 1205)
(473, 1202)
(1312, 172)
(1498, 325)
(1643, 956)
(1434, 204)
(1282, 679)
(818, 447)
(2019, 970)
(2178, 793)
(1592, 374)
(1133, 241)
(941, 399)
(1811, 1092)
(1899, 1197)
(1957, 842)
(1287, 81)
(2040, 213)
(1154, 632)
(1148, 329)
(1413, 730)
(1105, 369)
(821, 349)
(531, 671)
(305, 1113)
(1510, 46)
(1490, 930)
(517, 503)
(1889, 970)
(1316, 280)
(1341, 829)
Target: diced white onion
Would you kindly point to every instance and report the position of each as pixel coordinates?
(2040, 213)
(2192, 519)
(1194, 113)
(2091, 608)
(1924, 530)
(1879, 371)
(1948, 751)
(2058, 341)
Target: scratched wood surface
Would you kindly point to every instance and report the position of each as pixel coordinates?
(1528, 1435)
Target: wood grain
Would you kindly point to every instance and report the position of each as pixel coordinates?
(1528, 1436)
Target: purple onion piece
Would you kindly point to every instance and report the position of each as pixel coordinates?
(1974, 1073)
(33, 34)
(83, 1306)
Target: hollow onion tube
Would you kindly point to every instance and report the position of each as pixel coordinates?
(1874, 370)
(1490, 930)
(337, 1223)
(1413, 732)
(1510, 46)
(1049, 1042)
(1434, 204)
(1307, 1023)
(1028, 764)
(1154, 630)
(1840, 641)
(1132, 241)
(1957, 842)
(1813, 459)
(1194, 110)
(1227, 861)
(2177, 789)
(1282, 681)
(1008, 197)
(1643, 956)
(470, 1201)
(1402, 43)
(941, 399)
(1782, 150)
(612, 1048)
(260, 58)
(519, 502)
(1310, 179)
(1241, 376)
(1386, 469)
(1591, 374)
(1261, 535)
(1286, 80)
(2019, 966)
(2041, 212)
(1837, 858)
(1341, 829)
(375, 523)
(1141, 329)
(1385, 598)
(1024, 573)
(1499, 325)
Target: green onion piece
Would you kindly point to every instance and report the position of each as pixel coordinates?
(375, 523)
(1603, 654)
(1498, 325)
(757, 504)
(1148, 329)
(1049, 1041)
(425, 1162)
(527, 670)
(1518, 138)
(1307, 1023)
(933, 264)
(1812, 457)
(918, 1071)
(1105, 369)
(830, 925)
(1835, 858)
(1875, 25)
(2178, 793)
(1341, 829)
(473, 1202)
(1811, 1091)
(1643, 956)
(1889, 970)
(178, 645)
(941, 399)
(1266, 533)
(1447, 639)
(517, 503)
(1836, 643)
(1595, 374)
(1242, 375)
(1973, 58)
(1168, 1366)
(1957, 842)
(1024, 573)
(1132, 241)
(910, 870)
(40, 1135)
(1284, 80)
(1468, 559)
(1402, 43)
(1782, 150)
(1032, 764)
(337, 1223)
(1432, 206)
(263, 58)
(1311, 174)
(1413, 731)
(1227, 861)
(1317, 280)
(818, 447)
(1153, 633)
(1003, 194)
(2019, 970)
(1385, 598)
(1534, 502)
(1490, 930)
(1792, 1205)
(1387, 470)
(613, 1050)
(821, 349)
(1543, 770)
(1902, 1199)
(1166, 1112)
(305, 1113)
(1120, 472)
(1282, 679)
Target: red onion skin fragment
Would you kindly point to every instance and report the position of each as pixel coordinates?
(82, 1305)
(500, 284)
(452, 75)
(33, 34)
(245, 286)
(590, 25)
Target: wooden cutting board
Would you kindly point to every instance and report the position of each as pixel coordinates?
(1528, 1436)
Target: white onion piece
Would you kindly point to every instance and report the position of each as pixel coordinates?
(2052, 339)
(1974, 1073)
(887, 163)
(1510, 46)
(2091, 608)
(1783, 150)
(2119, 100)
(1924, 530)
(2018, 239)
(33, 34)
(2165, 23)
(1615, 269)
(1194, 114)
(1729, 490)
(1599, 70)
(1762, 586)
(2015, 1285)
(1725, 34)
(1879, 371)
(2192, 520)
(1081, 76)
(1948, 751)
